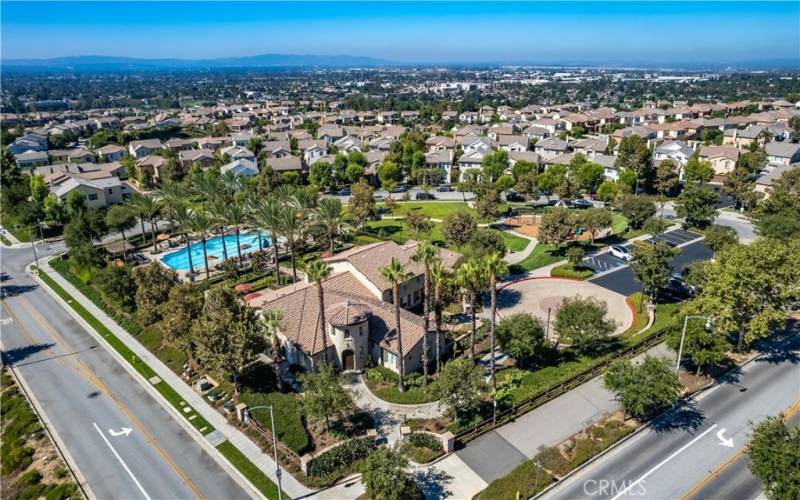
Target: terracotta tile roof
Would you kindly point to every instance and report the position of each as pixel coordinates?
(369, 259)
(300, 306)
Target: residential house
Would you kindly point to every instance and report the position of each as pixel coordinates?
(32, 159)
(285, 164)
(28, 142)
(140, 149)
(722, 158)
(110, 152)
(781, 153)
(359, 313)
(550, 148)
(517, 143)
(677, 151)
(203, 157)
(241, 167)
(100, 192)
(237, 153)
(442, 160)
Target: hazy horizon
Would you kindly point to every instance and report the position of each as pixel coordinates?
(599, 33)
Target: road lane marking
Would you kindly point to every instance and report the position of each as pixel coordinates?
(660, 464)
(124, 432)
(733, 458)
(85, 372)
(723, 441)
(121, 461)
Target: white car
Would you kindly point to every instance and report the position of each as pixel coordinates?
(621, 252)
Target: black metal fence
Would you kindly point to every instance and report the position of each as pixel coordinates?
(551, 393)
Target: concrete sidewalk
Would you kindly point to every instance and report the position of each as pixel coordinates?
(247, 447)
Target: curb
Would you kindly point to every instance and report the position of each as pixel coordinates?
(82, 483)
(215, 454)
(697, 393)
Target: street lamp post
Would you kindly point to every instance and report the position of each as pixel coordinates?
(33, 245)
(683, 336)
(274, 444)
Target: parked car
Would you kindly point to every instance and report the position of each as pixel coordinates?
(424, 196)
(512, 195)
(677, 287)
(444, 188)
(400, 188)
(582, 203)
(345, 191)
(621, 252)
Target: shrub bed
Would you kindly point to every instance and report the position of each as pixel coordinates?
(567, 271)
(525, 479)
(341, 460)
(422, 448)
(288, 414)
(383, 383)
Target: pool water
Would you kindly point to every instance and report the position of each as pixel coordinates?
(180, 260)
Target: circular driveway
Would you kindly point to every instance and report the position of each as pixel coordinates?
(539, 296)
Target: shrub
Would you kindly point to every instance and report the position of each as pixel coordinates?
(382, 374)
(523, 479)
(424, 440)
(551, 459)
(30, 478)
(583, 450)
(288, 417)
(342, 459)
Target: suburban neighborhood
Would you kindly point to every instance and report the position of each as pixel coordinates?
(350, 277)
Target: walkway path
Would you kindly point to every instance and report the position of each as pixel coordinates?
(290, 485)
(388, 417)
(517, 257)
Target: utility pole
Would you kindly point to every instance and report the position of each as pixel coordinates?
(33, 245)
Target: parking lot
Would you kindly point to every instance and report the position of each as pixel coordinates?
(605, 262)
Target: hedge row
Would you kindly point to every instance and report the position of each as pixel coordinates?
(341, 460)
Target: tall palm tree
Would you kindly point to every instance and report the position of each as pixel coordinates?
(470, 277)
(236, 215)
(272, 321)
(208, 187)
(438, 277)
(330, 218)
(183, 219)
(290, 221)
(172, 195)
(203, 224)
(218, 210)
(231, 183)
(425, 255)
(396, 274)
(266, 214)
(136, 205)
(317, 271)
(495, 267)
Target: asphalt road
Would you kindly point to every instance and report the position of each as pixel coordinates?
(91, 401)
(622, 280)
(734, 479)
(686, 444)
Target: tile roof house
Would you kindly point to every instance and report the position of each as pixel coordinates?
(243, 167)
(722, 158)
(359, 315)
(781, 153)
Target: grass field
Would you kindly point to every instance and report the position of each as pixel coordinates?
(249, 470)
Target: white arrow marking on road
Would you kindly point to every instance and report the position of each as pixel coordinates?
(124, 432)
(124, 465)
(693, 441)
(723, 441)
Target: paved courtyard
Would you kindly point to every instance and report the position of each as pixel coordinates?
(542, 297)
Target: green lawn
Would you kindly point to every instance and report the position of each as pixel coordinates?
(394, 229)
(250, 471)
(542, 255)
(433, 209)
(619, 224)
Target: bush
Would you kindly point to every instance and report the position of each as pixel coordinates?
(582, 450)
(424, 440)
(341, 460)
(382, 374)
(288, 417)
(567, 271)
(523, 479)
(551, 459)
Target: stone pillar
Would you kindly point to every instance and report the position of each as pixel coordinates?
(241, 410)
(448, 441)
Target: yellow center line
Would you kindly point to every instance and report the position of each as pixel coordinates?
(82, 369)
(733, 458)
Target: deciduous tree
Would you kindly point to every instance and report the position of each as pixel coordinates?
(459, 389)
(774, 451)
(583, 323)
(521, 336)
(643, 388)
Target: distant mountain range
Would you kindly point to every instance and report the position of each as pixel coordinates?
(112, 63)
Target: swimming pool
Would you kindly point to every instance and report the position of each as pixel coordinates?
(180, 260)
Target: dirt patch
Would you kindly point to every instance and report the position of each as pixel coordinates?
(528, 225)
(693, 382)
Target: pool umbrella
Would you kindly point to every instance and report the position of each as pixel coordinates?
(162, 237)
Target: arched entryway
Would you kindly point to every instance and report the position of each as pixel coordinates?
(348, 359)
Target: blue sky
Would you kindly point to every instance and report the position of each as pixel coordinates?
(451, 32)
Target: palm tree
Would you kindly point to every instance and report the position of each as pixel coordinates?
(172, 195)
(396, 274)
(147, 207)
(438, 277)
(266, 214)
(272, 321)
(236, 215)
(329, 217)
(470, 277)
(183, 219)
(291, 223)
(494, 266)
(218, 210)
(207, 187)
(136, 205)
(425, 255)
(317, 271)
(203, 223)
